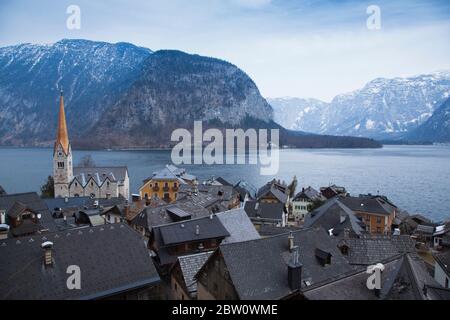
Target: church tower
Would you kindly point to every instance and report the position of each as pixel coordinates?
(62, 155)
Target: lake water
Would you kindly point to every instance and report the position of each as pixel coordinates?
(416, 178)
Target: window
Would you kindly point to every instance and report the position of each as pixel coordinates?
(60, 165)
(446, 282)
(175, 184)
(146, 195)
(92, 195)
(378, 219)
(166, 184)
(76, 195)
(92, 184)
(107, 183)
(378, 230)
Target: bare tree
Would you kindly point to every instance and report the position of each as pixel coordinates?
(86, 161)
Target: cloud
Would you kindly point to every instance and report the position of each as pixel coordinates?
(289, 47)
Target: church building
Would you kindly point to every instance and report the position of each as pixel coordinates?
(95, 182)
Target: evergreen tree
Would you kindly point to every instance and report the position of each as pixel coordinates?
(48, 189)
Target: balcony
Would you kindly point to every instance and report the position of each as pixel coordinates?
(155, 188)
(175, 189)
(166, 188)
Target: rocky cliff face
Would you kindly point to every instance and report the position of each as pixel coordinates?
(92, 74)
(117, 85)
(173, 91)
(436, 128)
(121, 95)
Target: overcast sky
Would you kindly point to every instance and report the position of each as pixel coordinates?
(289, 48)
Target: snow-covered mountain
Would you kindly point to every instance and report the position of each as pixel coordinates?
(436, 128)
(299, 114)
(92, 74)
(383, 108)
(162, 89)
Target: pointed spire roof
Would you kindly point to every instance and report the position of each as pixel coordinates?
(62, 137)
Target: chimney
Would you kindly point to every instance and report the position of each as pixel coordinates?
(197, 230)
(295, 271)
(2, 216)
(291, 241)
(47, 246)
(346, 233)
(4, 230)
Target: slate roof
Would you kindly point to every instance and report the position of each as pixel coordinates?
(99, 174)
(62, 203)
(425, 229)
(212, 197)
(112, 259)
(154, 216)
(374, 249)
(171, 172)
(30, 199)
(16, 209)
(310, 194)
(190, 265)
(369, 204)
(258, 268)
(238, 225)
(413, 267)
(282, 197)
(266, 230)
(26, 227)
(223, 182)
(439, 293)
(403, 278)
(263, 210)
(329, 217)
(185, 231)
(443, 259)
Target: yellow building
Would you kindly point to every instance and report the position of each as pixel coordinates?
(164, 184)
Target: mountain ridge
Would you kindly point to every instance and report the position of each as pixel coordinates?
(124, 94)
(383, 108)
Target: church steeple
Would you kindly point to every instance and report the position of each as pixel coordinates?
(62, 137)
(62, 155)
